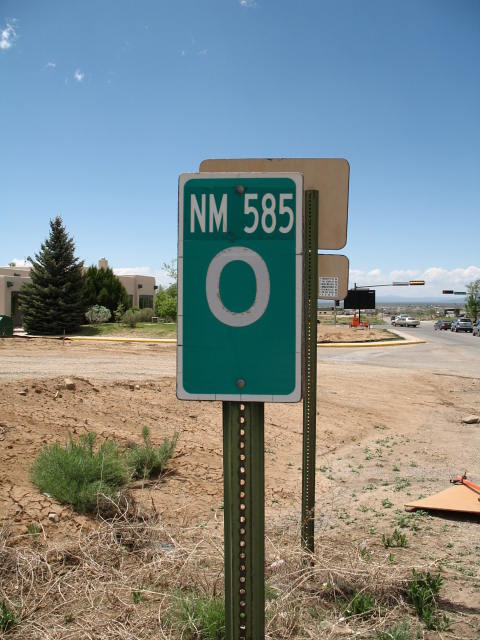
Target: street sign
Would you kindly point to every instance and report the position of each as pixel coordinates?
(332, 272)
(328, 176)
(240, 251)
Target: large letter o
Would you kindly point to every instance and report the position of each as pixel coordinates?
(262, 281)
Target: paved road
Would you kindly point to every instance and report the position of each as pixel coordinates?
(444, 352)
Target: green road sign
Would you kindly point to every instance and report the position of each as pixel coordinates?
(240, 287)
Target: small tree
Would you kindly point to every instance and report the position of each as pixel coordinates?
(166, 303)
(170, 269)
(53, 301)
(473, 299)
(103, 288)
(166, 299)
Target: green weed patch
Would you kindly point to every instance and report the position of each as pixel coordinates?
(79, 474)
(148, 461)
(199, 617)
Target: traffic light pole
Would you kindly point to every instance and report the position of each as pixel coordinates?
(310, 367)
(244, 519)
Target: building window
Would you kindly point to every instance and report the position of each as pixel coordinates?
(145, 302)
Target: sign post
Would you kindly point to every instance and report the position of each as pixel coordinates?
(240, 254)
(310, 393)
(244, 524)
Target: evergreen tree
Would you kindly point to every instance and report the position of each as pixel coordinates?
(53, 301)
(103, 288)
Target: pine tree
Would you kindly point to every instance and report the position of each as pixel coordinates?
(54, 300)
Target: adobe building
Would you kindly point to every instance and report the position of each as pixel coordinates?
(140, 289)
(11, 281)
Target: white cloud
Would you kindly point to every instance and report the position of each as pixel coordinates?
(202, 52)
(8, 35)
(132, 271)
(18, 262)
(248, 3)
(436, 279)
(79, 75)
(51, 65)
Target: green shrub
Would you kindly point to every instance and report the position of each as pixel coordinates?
(362, 604)
(98, 314)
(148, 461)
(145, 315)
(130, 318)
(119, 311)
(422, 591)
(397, 539)
(33, 529)
(400, 631)
(8, 619)
(77, 474)
(199, 617)
(166, 303)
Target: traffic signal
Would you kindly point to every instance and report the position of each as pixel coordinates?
(447, 291)
(419, 283)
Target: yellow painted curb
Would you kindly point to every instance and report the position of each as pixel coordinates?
(139, 340)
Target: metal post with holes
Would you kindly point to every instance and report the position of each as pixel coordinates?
(310, 364)
(244, 524)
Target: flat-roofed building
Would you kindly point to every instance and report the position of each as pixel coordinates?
(140, 289)
(12, 280)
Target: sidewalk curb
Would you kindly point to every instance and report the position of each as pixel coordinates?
(108, 339)
(354, 345)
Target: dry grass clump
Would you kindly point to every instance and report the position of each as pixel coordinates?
(131, 578)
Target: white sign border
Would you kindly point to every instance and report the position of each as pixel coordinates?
(296, 394)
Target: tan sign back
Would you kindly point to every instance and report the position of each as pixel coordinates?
(329, 176)
(332, 276)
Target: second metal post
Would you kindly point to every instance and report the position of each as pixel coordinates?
(310, 368)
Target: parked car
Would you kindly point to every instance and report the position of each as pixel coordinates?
(405, 321)
(476, 328)
(462, 324)
(442, 325)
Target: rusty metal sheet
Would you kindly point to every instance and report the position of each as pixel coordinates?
(329, 176)
(457, 498)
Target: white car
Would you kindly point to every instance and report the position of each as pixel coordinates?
(405, 321)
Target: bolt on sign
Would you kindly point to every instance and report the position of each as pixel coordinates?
(240, 250)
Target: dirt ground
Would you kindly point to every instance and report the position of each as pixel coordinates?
(384, 437)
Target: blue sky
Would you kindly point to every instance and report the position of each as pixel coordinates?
(104, 104)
